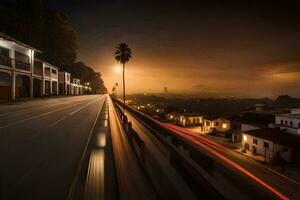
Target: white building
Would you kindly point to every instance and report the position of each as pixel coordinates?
(16, 69)
(75, 86)
(64, 79)
(289, 122)
(270, 142)
(23, 75)
(50, 79)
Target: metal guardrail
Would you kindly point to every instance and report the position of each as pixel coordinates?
(179, 154)
(134, 139)
(199, 166)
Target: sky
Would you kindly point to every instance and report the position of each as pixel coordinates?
(239, 48)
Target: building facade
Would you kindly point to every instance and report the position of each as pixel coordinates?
(64, 79)
(50, 79)
(16, 69)
(289, 122)
(190, 119)
(271, 143)
(24, 75)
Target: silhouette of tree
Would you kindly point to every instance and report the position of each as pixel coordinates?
(31, 22)
(123, 54)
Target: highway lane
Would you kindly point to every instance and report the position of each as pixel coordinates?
(277, 184)
(41, 142)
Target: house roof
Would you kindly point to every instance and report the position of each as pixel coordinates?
(289, 115)
(6, 37)
(275, 135)
(172, 113)
(191, 114)
(50, 65)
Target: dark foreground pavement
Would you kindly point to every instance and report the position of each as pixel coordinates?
(41, 143)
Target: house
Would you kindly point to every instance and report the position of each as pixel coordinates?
(17, 74)
(64, 79)
(189, 119)
(50, 79)
(172, 116)
(220, 124)
(271, 143)
(23, 74)
(75, 86)
(289, 122)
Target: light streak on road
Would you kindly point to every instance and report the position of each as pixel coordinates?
(209, 145)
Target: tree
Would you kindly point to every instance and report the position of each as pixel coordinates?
(123, 54)
(87, 75)
(31, 22)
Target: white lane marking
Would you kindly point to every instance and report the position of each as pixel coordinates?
(101, 139)
(75, 180)
(105, 123)
(72, 113)
(37, 116)
(18, 112)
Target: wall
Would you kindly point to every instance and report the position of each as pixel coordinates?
(294, 129)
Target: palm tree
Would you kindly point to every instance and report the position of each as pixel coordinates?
(123, 55)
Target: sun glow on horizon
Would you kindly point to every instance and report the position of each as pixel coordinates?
(118, 68)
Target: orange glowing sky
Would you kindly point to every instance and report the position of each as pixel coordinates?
(244, 49)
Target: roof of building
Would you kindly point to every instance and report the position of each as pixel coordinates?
(259, 105)
(6, 37)
(289, 115)
(254, 124)
(221, 118)
(51, 65)
(172, 113)
(275, 135)
(191, 114)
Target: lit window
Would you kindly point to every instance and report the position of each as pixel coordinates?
(224, 125)
(245, 138)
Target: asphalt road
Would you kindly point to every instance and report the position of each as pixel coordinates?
(41, 142)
